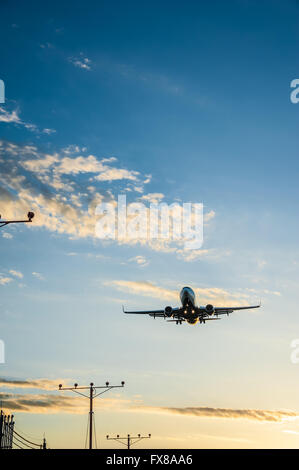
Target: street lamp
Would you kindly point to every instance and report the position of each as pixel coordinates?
(30, 216)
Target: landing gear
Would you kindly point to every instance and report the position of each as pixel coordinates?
(179, 322)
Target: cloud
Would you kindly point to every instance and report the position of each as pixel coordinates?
(144, 288)
(64, 403)
(49, 131)
(49, 187)
(153, 198)
(40, 403)
(188, 438)
(76, 165)
(40, 384)
(9, 117)
(7, 235)
(148, 79)
(271, 292)
(81, 62)
(61, 165)
(16, 273)
(264, 291)
(47, 45)
(13, 117)
(193, 255)
(39, 165)
(140, 260)
(73, 149)
(220, 297)
(209, 216)
(5, 280)
(112, 174)
(38, 276)
(227, 413)
(61, 402)
(65, 186)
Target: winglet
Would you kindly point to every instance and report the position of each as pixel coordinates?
(123, 309)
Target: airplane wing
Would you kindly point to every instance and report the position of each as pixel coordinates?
(227, 310)
(151, 313)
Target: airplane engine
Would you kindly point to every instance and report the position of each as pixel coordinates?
(168, 311)
(210, 309)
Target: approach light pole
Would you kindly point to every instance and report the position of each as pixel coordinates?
(92, 394)
(30, 216)
(129, 440)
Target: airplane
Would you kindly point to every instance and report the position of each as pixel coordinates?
(189, 312)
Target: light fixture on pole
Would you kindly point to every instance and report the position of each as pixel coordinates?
(128, 441)
(92, 394)
(30, 216)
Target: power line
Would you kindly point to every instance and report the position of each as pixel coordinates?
(95, 433)
(92, 394)
(28, 436)
(24, 443)
(128, 441)
(24, 439)
(17, 445)
(9, 435)
(86, 435)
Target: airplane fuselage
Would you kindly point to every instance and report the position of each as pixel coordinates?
(187, 297)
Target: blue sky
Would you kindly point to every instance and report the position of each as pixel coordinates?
(190, 102)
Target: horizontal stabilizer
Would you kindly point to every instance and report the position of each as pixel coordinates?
(208, 319)
(177, 321)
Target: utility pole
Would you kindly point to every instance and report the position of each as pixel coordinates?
(30, 216)
(92, 394)
(1, 427)
(128, 441)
